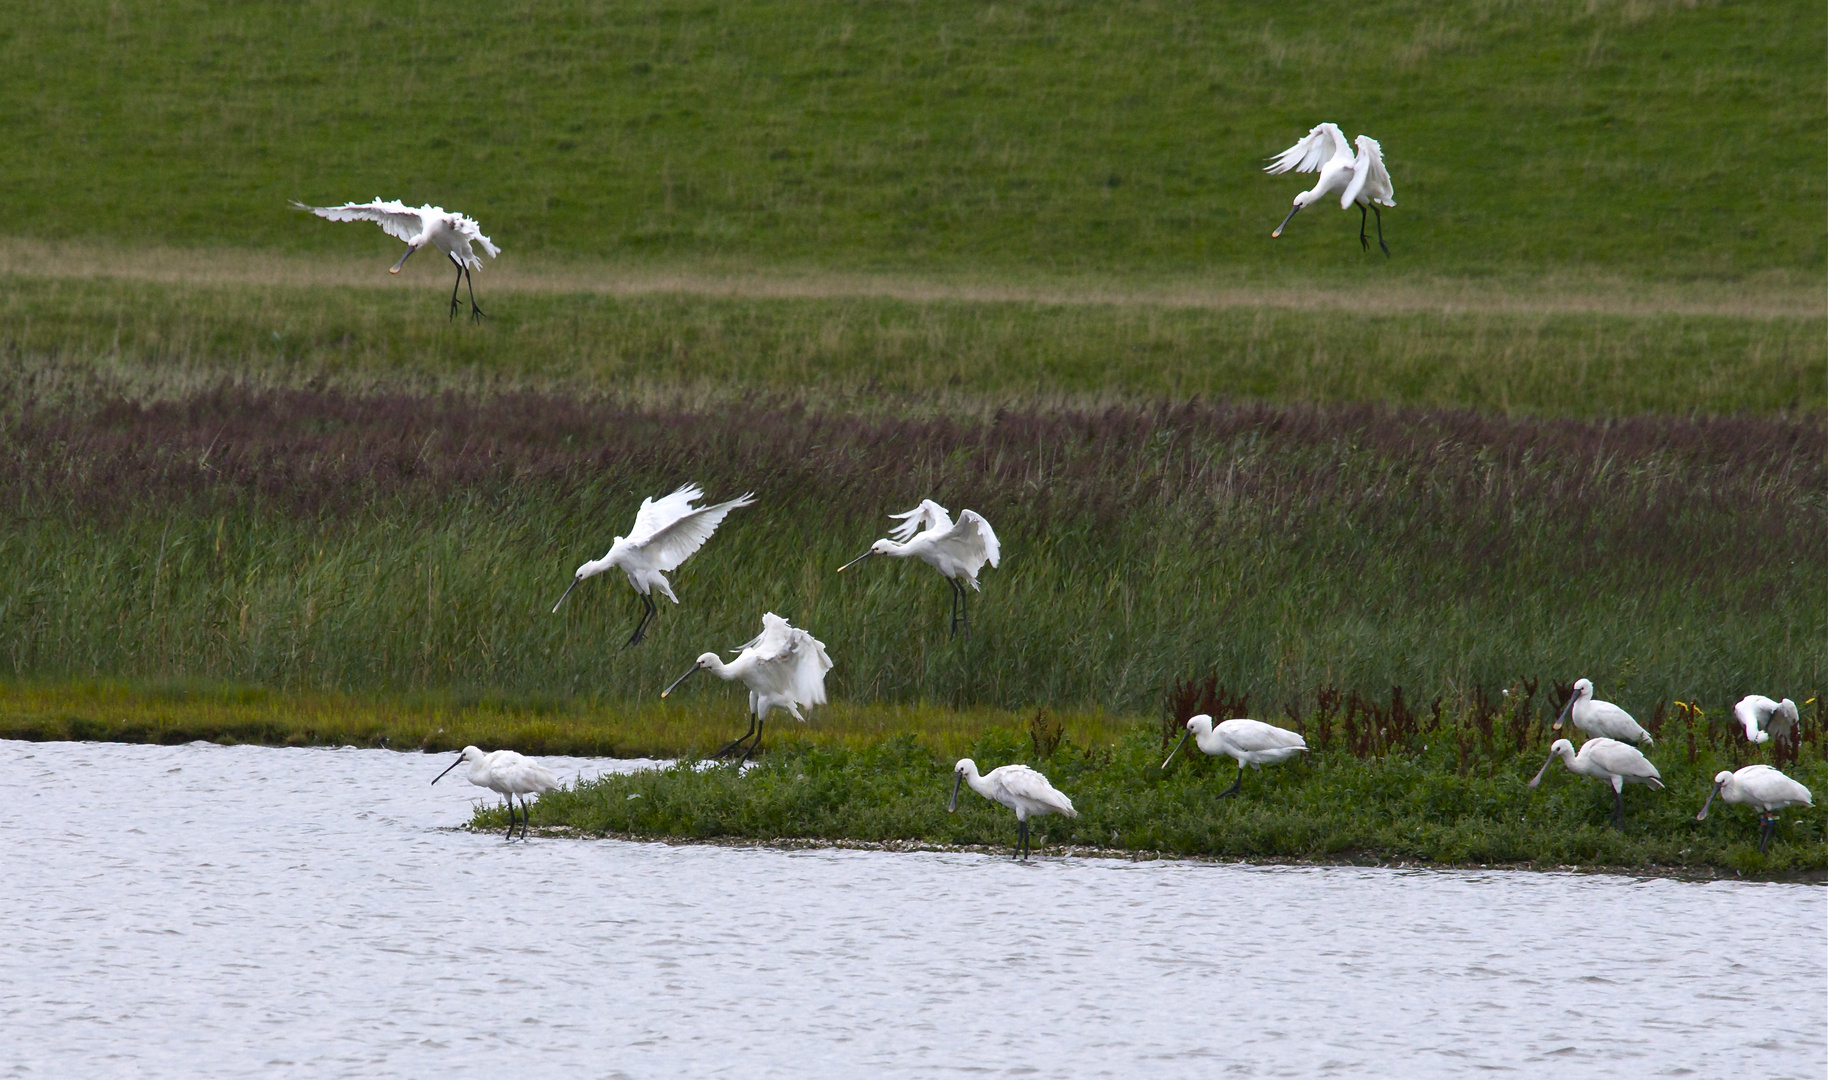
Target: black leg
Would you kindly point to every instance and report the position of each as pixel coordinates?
(526, 816)
(750, 752)
(1363, 240)
(1235, 784)
(1021, 836)
(647, 612)
(1380, 231)
(964, 610)
(476, 313)
(1764, 834)
(454, 286)
(739, 741)
(1618, 808)
(510, 833)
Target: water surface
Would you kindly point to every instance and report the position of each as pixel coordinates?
(207, 911)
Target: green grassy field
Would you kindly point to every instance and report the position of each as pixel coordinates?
(1668, 141)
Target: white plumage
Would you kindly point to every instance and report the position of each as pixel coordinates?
(1018, 787)
(1607, 760)
(1762, 788)
(1359, 178)
(784, 668)
(1248, 742)
(1764, 719)
(448, 231)
(958, 550)
(667, 532)
(507, 774)
(1600, 718)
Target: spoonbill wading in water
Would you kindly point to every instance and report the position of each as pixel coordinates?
(784, 668)
(1359, 179)
(1764, 719)
(1018, 787)
(446, 230)
(957, 550)
(1608, 760)
(1762, 788)
(1248, 742)
(507, 774)
(1600, 718)
(666, 533)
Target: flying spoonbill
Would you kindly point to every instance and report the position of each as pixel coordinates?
(1608, 760)
(1248, 742)
(446, 230)
(1359, 179)
(784, 668)
(1018, 787)
(1762, 788)
(958, 551)
(507, 774)
(1601, 718)
(1764, 719)
(666, 533)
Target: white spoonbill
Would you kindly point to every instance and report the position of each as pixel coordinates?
(1762, 788)
(667, 531)
(1764, 719)
(1359, 179)
(1600, 718)
(957, 550)
(1608, 760)
(784, 668)
(446, 230)
(507, 774)
(1018, 787)
(1248, 742)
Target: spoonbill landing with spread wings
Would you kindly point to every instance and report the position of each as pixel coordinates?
(1018, 787)
(666, 533)
(1762, 788)
(957, 550)
(1765, 719)
(784, 668)
(1601, 718)
(1248, 742)
(1608, 760)
(446, 230)
(1360, 178)
(507, 774)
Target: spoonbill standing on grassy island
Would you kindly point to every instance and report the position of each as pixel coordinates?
(1601, 718)
(507, 774)
(784, 668)
(1762, 788)
(1764, 718)
(666, 533)
(1248, 742)
(1608, 760)
(958, 551)
(1361, 179)
(1018, 787)
(448, 231)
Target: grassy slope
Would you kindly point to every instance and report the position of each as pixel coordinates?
(1653, 139)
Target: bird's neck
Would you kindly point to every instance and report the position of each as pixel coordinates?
(979, 784)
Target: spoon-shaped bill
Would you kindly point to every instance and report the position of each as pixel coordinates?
(952, 803)
(1565, 710)
(1285, 221)
(449, 767)
(1177, 749)
(1702, 816)
(855, 561)
(1537, 779)
(395, 268)
(679, 680)
(568, 588)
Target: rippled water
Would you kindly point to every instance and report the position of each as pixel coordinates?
(234, 911)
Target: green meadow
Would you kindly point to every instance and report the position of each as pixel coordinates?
(1015, 257)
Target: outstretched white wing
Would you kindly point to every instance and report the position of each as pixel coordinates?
(465, 226)
(1370, 181)
(971, 542)
(401, 221)
(668, 530)
(928, 515)
(1318, 147)
(1025, 783)
(791, 661)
